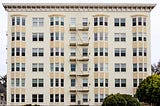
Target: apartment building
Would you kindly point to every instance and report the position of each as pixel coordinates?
(75, 54)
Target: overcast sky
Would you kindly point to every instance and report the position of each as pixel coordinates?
(155, 23)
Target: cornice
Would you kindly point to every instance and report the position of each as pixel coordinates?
(77, 7)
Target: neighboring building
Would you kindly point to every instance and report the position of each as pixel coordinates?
(2, 95)
(76, 54)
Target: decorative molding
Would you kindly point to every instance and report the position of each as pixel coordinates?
(79, 7)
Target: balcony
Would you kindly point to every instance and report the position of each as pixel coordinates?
(83, 58)
(72, 27)
(83, 28)
(83, 73)
(83, 43)
(72, 43)
(72, 58)
(73, 73)
(79, 89)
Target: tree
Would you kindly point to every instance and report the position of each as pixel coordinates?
(120, 100)
(3, 80)
(149, 90)
(155, 68)
(114, 100)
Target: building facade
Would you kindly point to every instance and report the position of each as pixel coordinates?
(76, 54)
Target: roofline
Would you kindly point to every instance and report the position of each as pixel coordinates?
(74, 5)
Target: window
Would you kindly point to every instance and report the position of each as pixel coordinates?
(100, 20)
(56, 66)
(62, 51)
(85, 97)
(85, 82)
(52, 21)
(140, 21)
(23, 21)
(13, 36)
(85, 51)
(37, 22)
(12, 97)
(62, 82)
(73, 21)
(37, 82)
(23, 82)
(51, 82)
(73, 37)
(119, 22)
(73, 52)
(140, 80)
(73, 97)
(123, 82)
(17, 20)
(101, 66)
(140, 51)
(144, 21)
(139, 36)
(95, 82)
(12, 82)
(140, 67)
(134, 67)
(134, 82)
(17, 51)
(12, 66)
(23, 67)
(145, 67)
(123, 67)
(51, 51)
(40, 82)
(145, 52)
(37, 37)
(120, 67)
(95, 51)
(57, 82)
(101, 52)
(85, 67)
(51, 66)
(106, 21)
(95, 67)
(37, 52)
(106, 82)
(73, 82)
(133, 21)
(123, 37)
(106, 36)
(51, 98)
(22, 97)
(17, 82)
(23, 36)
(84, 37)
(120, 52)
(145, 37)
(37, 67)
(13, 21)
(117, 67)
(51, 36)
(117, 82)
(62, 97)
(62, 21)
(95, 21)
(106, 67)
(73, 67)
(17, 35)
(85, 21)
(23, 52)
(13, 51)
(57, 52)
(101, 82)
(17, 66)
(95, 36)
(116, 22)
(56, 20)
(134, 51)
(37, 97)
(134, 36)
(57, 35)
(123, 22)
(95, 97)
(62, 67)
(17, 97)
(101, 97)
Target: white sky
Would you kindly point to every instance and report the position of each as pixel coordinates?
(155, 22)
